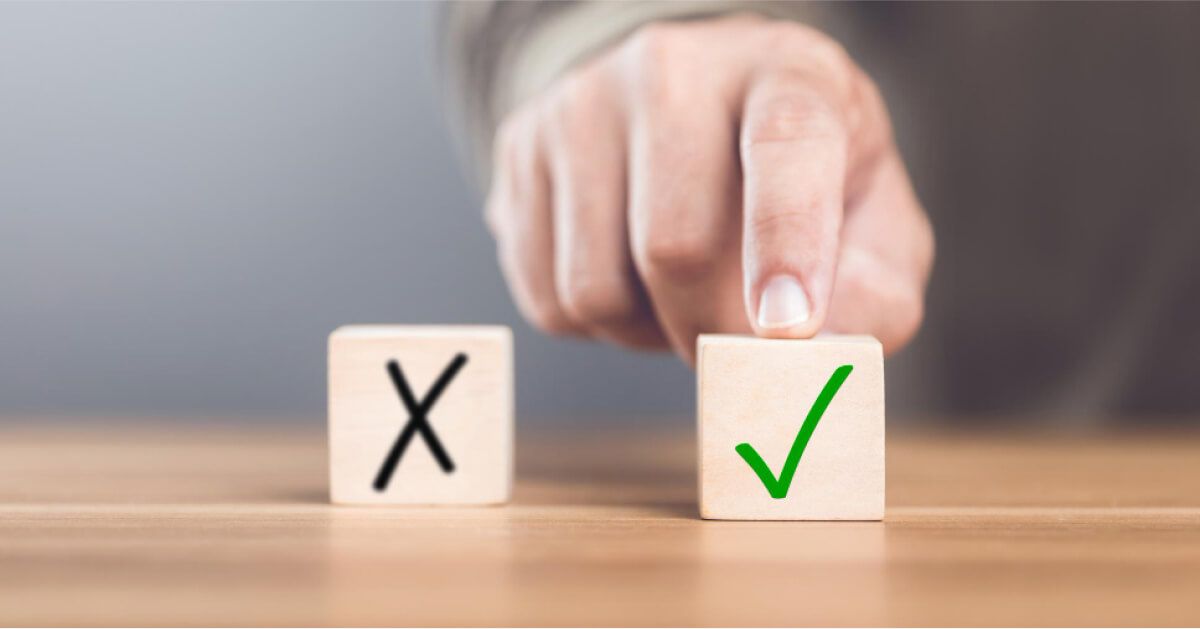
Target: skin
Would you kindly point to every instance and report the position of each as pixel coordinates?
(650, 194)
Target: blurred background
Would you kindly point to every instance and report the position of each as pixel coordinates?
(193, 195)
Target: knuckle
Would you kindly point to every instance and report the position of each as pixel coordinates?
(504, 144)
(824, 50)
(669, 253)
(657, 60)
(506, 132)
(597, 301)
(815, 59)
(794, 113)
(556, 113)
(494, 217)
(507, 211)
(571, 111)
(770, 218)
(514, 145)
(512, 270)
(515, 128)
(547, 318)
(571, 95)
(534, 298)
(541, 311)
(652, 42)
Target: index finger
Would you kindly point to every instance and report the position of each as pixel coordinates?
(794, 149)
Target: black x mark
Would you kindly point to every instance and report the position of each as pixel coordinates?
(417, 420)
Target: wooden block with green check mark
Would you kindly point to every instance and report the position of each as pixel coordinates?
(791, 429)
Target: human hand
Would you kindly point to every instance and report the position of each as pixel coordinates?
(728, 175)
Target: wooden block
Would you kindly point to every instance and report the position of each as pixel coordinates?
(761, 392)
(455, 447)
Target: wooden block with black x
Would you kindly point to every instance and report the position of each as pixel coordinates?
(420, 414)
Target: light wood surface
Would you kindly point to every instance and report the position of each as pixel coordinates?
(107, 522)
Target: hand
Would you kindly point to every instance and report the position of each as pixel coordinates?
(729, 175)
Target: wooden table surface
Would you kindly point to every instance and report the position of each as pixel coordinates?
(165, 523)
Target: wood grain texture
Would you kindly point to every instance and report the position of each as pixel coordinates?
(112, 523)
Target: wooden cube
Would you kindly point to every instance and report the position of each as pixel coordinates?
(420, 414)
(790, 429)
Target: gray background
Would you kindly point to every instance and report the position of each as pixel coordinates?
(193, 195)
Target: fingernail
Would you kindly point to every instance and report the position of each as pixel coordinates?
(783, 303)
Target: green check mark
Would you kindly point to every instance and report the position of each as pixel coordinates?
(778, 487)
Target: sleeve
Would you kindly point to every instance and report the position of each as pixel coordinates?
(495, 55)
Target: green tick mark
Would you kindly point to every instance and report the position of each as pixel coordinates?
(778, 487)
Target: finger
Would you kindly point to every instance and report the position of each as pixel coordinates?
(594, 272)
(886, 255)
(794, 155)
(684, 196)
(519, 215)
